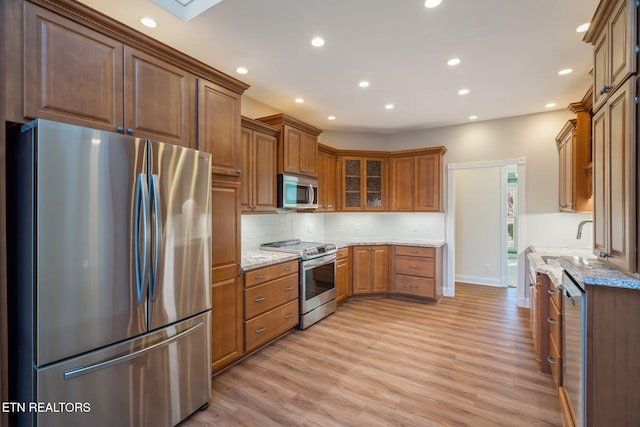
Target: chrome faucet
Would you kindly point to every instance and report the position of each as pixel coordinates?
(582, 223)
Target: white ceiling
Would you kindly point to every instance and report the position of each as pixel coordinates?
(511, 52)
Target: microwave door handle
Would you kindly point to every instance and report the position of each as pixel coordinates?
(310, 195)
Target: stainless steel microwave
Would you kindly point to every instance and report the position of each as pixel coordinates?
(297, 192)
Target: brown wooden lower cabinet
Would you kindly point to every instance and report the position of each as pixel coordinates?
(370, 270)
(270, 303)
(417, 272)
(343, 275)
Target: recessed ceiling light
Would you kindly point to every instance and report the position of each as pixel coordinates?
(389, 106)
(473, 117)
(148, 22)
(241, 70)
(453, 61)
(550, 105)
(583, 28)
(463, 91)
(299, 100)
(331, 117)
(565, 71)
(432, 3)
(317, 42)
(363, 83)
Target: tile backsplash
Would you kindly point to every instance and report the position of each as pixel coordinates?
(258, 229)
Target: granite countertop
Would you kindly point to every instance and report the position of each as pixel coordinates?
(581, 264)
(258, 259)
(362, 241)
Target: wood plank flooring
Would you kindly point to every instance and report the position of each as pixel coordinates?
(467, 361)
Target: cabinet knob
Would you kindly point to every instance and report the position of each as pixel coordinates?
(288, 316)
(120, 129)
(604, 255)
(605, 89)
(260, 330)
(129, 131)
(238, 171)
(551, 360)
(551, 321)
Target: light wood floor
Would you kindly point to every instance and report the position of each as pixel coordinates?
(466, 362)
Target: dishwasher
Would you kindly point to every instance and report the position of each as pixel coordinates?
(574, 346)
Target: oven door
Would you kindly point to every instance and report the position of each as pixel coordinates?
(317, 282)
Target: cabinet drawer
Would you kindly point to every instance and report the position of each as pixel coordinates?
(555, 295)
(262, 275)
(418, 286)
(262, 329)
(555, 361)
(413, 266)
(554, 320)
(418, 251)
(261, 298)
(342, 253)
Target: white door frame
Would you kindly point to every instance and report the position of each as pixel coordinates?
(450, 220)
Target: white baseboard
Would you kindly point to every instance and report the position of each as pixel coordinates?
(486, 281)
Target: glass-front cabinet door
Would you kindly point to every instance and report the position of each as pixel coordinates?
(363, 186)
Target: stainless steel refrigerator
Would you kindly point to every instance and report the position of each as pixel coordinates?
(109, 241)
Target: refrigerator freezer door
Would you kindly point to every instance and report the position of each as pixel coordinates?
(155, 380)
(86, 295)
(180, 187)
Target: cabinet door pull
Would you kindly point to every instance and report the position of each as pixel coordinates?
(551, 292)
(605, 89)
(238, 171)
(288, 316)
(120, 129)
(129, 131)
(288, 268)
(261, 276)
(551, 321)
(289, 288)
(551, 360)
(413, 286)
(261, 330)
(604, 255)
(259, 299)
(413, 266)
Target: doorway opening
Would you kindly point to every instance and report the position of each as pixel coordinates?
(517, 166)
(509, 202)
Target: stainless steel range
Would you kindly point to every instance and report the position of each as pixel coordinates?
(317, 277)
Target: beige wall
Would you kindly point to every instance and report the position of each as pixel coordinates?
(253, 109)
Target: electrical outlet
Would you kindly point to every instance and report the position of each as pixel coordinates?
(356, 226)
(310, 228)
(486, 267)
(414, 226)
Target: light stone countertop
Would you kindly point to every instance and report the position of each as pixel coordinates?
(259, 258)
(581, 264)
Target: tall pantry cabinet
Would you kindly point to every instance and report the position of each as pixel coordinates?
(613, 33)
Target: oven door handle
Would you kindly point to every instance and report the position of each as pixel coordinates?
(313, 263)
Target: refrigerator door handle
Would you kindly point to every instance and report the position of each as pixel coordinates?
(141, 212)
(157, 222)
(83, 370)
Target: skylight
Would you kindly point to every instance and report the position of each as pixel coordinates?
(185, 9)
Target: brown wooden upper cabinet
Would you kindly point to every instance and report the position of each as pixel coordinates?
(327, 181)
(416, 180)
(76, 75)
(613, 34)
(258, 151)
(574, 153)
(364, 183)
(219, 127)
(297, 146)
